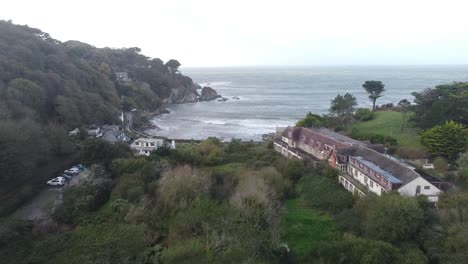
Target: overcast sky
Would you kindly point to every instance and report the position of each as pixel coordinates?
(244, 33)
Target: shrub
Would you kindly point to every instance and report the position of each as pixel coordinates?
(135, 193)
(191, 251)
(294, 169)
(119, 205)
(358, 251)
(441, 164)
(463, 174)
(182, 186)
(310, 120)
(281, 185)
(364, 114)
(120, 166)
(392, 217)
(100, 151)
(208, 153)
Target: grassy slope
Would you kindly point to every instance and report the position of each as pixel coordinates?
(305, 229)
(388, 124)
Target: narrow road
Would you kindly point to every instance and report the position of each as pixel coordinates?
(44, 204)
(129, 127)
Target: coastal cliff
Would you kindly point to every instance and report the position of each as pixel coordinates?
(185, 91)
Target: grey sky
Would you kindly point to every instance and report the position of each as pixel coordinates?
(292, 32)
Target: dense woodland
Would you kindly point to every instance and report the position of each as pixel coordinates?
(48, 88)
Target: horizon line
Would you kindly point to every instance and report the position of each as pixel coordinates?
(322, 65)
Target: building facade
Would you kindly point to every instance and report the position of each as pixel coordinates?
(363, 167)
(144, 146)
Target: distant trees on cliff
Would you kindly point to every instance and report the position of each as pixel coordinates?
(173, 65)
(375, 90)
(435, 106)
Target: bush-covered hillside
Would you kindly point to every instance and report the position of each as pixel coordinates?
(74, 83)
(232, 203)
(48, 88)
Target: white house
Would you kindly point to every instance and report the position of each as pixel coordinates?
(144, 146)
(122, 76)
(94, 130)
(363, 167)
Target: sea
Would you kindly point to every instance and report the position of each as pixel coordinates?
(260, 99)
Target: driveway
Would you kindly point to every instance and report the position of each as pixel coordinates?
(44, 204)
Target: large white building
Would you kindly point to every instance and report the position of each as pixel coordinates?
(363, 167)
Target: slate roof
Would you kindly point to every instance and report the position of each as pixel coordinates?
(339, 137)
(395, 168)
(379, 170)
(394, 171)
(309, 136)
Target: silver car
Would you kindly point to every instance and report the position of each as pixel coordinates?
(59, 181)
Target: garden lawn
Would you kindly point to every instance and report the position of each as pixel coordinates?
(388, 123)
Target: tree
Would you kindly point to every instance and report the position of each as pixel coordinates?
(310, 120)
(404, 106)
(364, 114)
(374, 89)
(448, 140)
(435, 106)
(343, 107)
(173, 65)
(393, 218)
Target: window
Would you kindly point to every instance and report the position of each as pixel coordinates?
(418, 189)
(371, 184)
(427, 187)
(137, 143)
(152, 144)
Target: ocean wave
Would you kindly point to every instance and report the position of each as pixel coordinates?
(214, 122)
(216, 84)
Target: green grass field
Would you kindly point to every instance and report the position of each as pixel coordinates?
(304, 229)
(388, 124)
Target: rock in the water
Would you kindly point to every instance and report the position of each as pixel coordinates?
(208, 94)
(223, 99)
(235, 98)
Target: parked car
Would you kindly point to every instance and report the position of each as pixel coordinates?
(72, 171)
(428, 166)
(66, 176)
(80, 167)
(59, 181)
